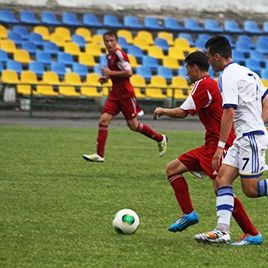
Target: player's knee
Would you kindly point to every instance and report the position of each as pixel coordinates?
(250, 192)
(133, 126)
(170, 169)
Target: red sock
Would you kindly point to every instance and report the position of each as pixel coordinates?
(242, 218)
(101, 140)
(182, 194)
(149, 132)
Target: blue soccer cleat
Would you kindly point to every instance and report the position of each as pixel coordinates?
(249, 240)
(184, 222)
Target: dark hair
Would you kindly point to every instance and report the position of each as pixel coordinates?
(198, 58)
(111, 33)
(219, 44)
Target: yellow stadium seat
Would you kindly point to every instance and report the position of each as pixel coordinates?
(155, 52)
(141, 43)
(139, 85)
(97, 39)
(126, 34)
(156, 87)
(64, 33)
(92, 87)
(43, 31)
(179, 87)
(10, 77)
(28, 82)
(68, 91)
(22, 56)
(176, 53)
(72, 48)
(86, 33)
(72, 79)
(167, 36)
(68, 86)
(7, 45)
(265, 82)
(50, 78)
(87, 59)
(3, 32)
(171, 63)
(181, 43)
(133, 61)
(46, 90)
(93, 49)
(146, 36)
(57, 39)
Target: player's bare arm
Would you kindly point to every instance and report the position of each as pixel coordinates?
(174, 113)
(265, 109)
(122, 73)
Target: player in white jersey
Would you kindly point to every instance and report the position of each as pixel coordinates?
(245, 106)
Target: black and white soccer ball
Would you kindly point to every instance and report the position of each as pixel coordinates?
(126, 221)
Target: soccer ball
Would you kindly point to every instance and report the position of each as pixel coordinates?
(126, 221)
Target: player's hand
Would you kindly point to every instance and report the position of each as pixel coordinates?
(158, 112)
(103, 80)
(105, 71)
(217, 158)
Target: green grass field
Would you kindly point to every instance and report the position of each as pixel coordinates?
(56, 209)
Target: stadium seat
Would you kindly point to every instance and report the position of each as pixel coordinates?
(58, 68)
(97, 39)
(14, 65)
(50, 78)
(201, 41)
(50, 48)
(37, 39)
(152, 23)
(139, 85)
(64, 32)
(84, 32)
(1, 67)
(133, 62)
(43, 57)
(182, 72)
(93, 49)
(230, 39)
(79, 40)
(156, 52)
(188, 37)
(65, 58)
(22, 56)
(126, 34)
(70, 19)
(80, 69)
(135, 51)
(165, 72)
(239, 56)
(22, 30)
(87, 59)
(251, 27)
(8, 46)
(28, 17)
(46, 90)
(122, 42)
(72, 48)
(16, 38)
(265, 82)
(246, 38)
(172, 24)
(262, 47)
(3, 32)
(243, 46)
(257, 55)
(148, 36)
(91, 20)
(254, 65)
(212, 25)
(37, 67)
(111, 21)
(176, 53)
(150, 62)
(156, 87)
(43, 31)
(91, 88)
(181, 43)
(3, 56)
(178, 89)
(162, 43)
(7, 16)
(30, 47)
(232, 26)
(145, 72)
(142, 43)
(192, 25)
(132, 22)
(103, 60)
(58, 40)
(264, 73)
(68, 91)
(166, 36)
(49, 18)
(171, 63)
(10, 77)
(265, 27)
(28, 82)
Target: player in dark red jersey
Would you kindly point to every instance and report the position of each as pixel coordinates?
(121, 99)
(205, 101)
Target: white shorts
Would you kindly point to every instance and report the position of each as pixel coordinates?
(248, 155)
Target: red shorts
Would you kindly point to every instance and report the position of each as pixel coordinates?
(129, 107)
(200, 159)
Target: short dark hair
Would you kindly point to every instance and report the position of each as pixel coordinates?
(110, 33)
(198, 58)
(219, 44)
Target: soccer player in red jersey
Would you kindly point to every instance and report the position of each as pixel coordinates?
(205, 101)
(121, 99)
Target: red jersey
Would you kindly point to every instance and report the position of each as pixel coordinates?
(206, 101)
(121, 86)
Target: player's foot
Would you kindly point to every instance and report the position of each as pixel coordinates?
(249, 240)
(184, 222)
(162, 146)
(93, 158)
(213, 237)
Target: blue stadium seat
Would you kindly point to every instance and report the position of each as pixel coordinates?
(264, 73)
(160, 42)
(152, 23)
(251, 26)
(80, 40)
(151, 62)
(90, 19)
(101, 31)
(44, 57)
(165, 72)
(37, 39)
(7, 16)
(243, 46)
(135, 51)
(51, 48)
(254, 65)
(187, 36)
(238, 56)
(265, 27)
(262, 47)
(103, 60)
(22, 30)
(28, 17)
(49, 18)
(132, 22)
(201, 40)
(3, 56)
(58, 68)
(183, 72)
(37, 67)
(246, 38)
(97, 69)
(14, 65)
(30, 47)
(111, 21)
(80, 69)
(172, 24)
(65, 58)
(192, 25)
(212, 25)
(257, 55)
(16, 38)
(123, 43)
(146, 72)
(232, 26)
(70, 19)
(230, 39)
(1, 67)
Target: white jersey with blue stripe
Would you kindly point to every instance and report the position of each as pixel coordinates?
(243, 90)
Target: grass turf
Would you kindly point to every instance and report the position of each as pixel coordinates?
(56, 210)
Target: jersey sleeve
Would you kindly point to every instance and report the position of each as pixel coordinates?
(123, 61)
